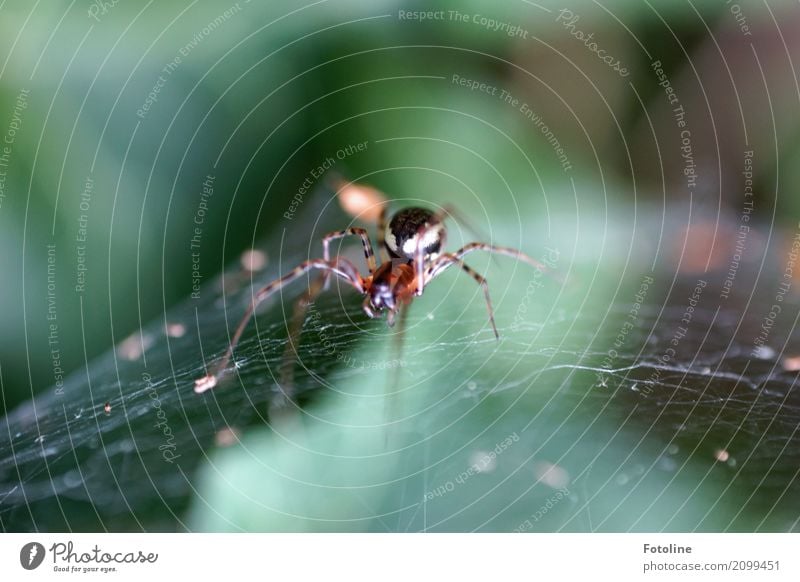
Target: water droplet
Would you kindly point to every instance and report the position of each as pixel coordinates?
(134, 346)
(72, 479)
(791, 364)
(227, 437)
(483, 461)
(176, 330)
(551, 475)
(667, 464)
(622, 479)
(673, 449)
(472, 385)
(253, 260)
(764, 353)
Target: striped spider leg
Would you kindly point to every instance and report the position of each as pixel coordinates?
(431, 239)
(382, 234)
(317, 286)
(446, 260)
(290, 355)
(369, 254)
(341, 268)
(439, 265)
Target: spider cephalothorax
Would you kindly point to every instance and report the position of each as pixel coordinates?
(412, 244)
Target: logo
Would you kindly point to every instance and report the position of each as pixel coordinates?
(31, 555)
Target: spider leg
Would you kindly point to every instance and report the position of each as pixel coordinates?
(290, 356)
(369, 255)
(509, 252)
(448, 210)
(448, 260)
(419, 253)
(460, 217)
(382, 234)
(341, 268)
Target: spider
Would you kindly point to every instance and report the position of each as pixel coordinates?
(412, 246)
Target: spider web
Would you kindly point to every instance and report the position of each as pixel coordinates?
(706, 441)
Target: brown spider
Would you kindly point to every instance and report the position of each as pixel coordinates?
(412, 245)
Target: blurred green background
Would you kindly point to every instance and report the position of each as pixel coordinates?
(119, 113)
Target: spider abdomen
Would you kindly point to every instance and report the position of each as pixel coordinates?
(413, 228)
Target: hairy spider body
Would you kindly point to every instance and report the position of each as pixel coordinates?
(411, 245)
(413, 229)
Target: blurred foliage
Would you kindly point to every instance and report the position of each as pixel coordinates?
(237, 103)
